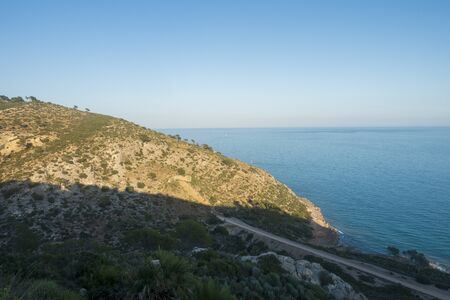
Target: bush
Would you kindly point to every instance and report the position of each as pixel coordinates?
(213, 220)
(417, 258)
(49, 290)
(420, 278)
(144, 138)
(227, 161)
(170, 278)
(149, 239)
(37, 197)
(442, 286)
(83, 176)
(211, 291)
(325, 278)
(106, 275)
(270, 264)
(9, 192)
(25, 240)
(129, 189)
(393, 250)
(257, 247)
(220, 230)
(104, 202)
(140, 185)
(192, 233)
(181, 171)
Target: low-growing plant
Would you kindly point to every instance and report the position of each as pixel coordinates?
(149, 238)
(49, 290)
(192, 233)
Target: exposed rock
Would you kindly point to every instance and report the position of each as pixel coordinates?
(156, 262)
(310, 272)
(198, 250)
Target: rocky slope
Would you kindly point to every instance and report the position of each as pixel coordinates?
(46, 147)
(313, 273)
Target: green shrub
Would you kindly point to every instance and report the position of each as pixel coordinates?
(442, 286)
(9, 192)
(144, 138)
(257, 247)
(107, 275)
(227, 161)
(220, 230)
(270, 263)
(210, 290)
(325, 278)
(149, 239)
(83, 176)
(169, 278)
(421, 278)
(25, 239)
(393, 250)
(49, 290)
(213, 220)
(37, 196)
(192, 233)
(181, 171)
(129, 189)
(104, 202)
(140, 185)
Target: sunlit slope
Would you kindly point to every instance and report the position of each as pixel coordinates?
(47, 143)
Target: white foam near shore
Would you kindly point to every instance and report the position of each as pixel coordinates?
(440, 267)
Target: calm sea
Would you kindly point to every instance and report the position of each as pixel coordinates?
(379, 186)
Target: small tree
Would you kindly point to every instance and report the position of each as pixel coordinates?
(141, 185)
(192, 233)
(87, 109)
(75, 107)
(33, 99)
(325, 278)
(393, 250)
(17, 99)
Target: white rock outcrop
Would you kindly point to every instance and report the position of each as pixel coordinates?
(310, 272)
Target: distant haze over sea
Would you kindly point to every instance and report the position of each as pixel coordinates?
(379, 186)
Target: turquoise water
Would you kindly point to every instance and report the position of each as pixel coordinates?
(380, 187)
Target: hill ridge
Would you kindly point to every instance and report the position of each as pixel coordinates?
(53, 144)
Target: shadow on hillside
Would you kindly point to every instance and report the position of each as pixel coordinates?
(86, 211)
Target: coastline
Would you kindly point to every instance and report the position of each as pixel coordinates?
(324, 234)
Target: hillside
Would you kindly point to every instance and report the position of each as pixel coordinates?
(95, 207)
(42, 143)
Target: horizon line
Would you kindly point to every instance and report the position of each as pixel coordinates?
(314, 127)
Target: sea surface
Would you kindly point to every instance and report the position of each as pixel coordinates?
(378, 186)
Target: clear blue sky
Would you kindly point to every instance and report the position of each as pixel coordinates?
(234, 63)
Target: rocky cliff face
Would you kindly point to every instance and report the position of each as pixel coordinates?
(52, 145)
(313, 273)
